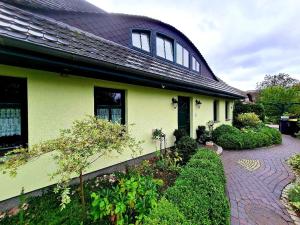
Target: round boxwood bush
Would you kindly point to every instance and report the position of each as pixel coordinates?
(224, 129)
(186, 147)
(230, 141)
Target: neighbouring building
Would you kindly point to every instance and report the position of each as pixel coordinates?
(63, 59)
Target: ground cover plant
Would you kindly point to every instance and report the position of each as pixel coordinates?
(232, 138)
(294, 192)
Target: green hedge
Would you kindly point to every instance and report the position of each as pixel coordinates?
(199, 191)
(232, 138)
(166, 213)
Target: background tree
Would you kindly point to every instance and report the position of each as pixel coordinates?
(75, 150)
(278, 100)
(281, 79)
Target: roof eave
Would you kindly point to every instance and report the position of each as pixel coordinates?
(75, 61)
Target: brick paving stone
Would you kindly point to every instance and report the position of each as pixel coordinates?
(255, 195)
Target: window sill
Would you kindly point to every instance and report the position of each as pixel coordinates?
(217, 121)
(228, 119)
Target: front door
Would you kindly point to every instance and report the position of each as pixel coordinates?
(184, 114)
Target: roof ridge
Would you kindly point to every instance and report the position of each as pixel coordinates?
(57, 5)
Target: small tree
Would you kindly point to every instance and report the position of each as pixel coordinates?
(75, 150)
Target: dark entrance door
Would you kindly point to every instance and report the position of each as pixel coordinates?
(184, 114)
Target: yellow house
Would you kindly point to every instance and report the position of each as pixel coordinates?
(62, 61)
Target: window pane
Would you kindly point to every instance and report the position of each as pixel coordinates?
(109, 104)
(10, 120)
(145, 42)
(193, 63)
(169, 50)
(136, 40)
(116, 115)
(179, 54)
(216, 106)
(160, 47)
(106, 97)
(103, 113)
(186, 58)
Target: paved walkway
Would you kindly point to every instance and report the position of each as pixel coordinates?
(255, 179)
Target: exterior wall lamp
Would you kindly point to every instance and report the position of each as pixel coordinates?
(174, 103)
(198, 103)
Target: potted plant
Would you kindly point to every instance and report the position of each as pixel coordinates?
(210, 125)
(202, 135)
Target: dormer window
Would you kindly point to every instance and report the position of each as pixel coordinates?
(195, 64)
(182, 56)
(141, 40)
(164, 48)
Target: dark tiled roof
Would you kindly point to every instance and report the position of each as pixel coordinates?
(57, 5)
(30, 28)
(116, 27)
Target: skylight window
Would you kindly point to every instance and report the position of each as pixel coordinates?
(141, 40)
(182, 56)
(164, 48)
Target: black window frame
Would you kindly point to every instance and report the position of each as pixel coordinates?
(122, 106)
(216, 110)
(9, 143)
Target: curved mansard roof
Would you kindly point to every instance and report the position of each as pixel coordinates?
(57, 5)
(38, 27)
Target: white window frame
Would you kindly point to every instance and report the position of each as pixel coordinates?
(195, 65)
(180, 50)
(165, 55)
(140, 45)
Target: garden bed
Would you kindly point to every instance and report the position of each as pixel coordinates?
(291, 193)
(196, 197)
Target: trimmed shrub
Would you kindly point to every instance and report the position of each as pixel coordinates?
(248, 120)
(199, 191)
(273, 133)
(230, 141)
(166, 213)
(224, 129)
(239, 108)
(186, 147)
(234, 139)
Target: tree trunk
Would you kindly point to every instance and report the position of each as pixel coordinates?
(82, 190)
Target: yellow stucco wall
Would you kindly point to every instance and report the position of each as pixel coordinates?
(54, 101)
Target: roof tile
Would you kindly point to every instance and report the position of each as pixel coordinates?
(74, 41)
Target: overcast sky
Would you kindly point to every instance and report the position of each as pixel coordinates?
(241, 40)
